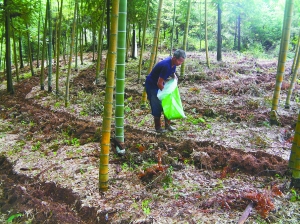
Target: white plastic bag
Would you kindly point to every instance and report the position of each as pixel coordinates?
(169, 87)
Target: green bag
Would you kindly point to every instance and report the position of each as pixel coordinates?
(170, 100)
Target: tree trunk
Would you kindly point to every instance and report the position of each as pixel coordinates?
(107, 22)
(120, 73)
(29, 51)
(173, 27)
(153, 50)
(219, 44)
(296, 54)
(293, 80)
(206, 41)
(143, 41)
(58, 47)
(21, 53)
(50, 49)
(67, 98)
(186, 30)
(107, 116)
(239, 32)
(100, 44)
(39, 33)
(44, 48)
(15, 55)
(10, 87)
(133, 44)
(282, 58)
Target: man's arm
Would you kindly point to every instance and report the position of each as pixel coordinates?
(160, 83)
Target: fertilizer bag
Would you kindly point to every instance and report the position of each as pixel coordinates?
(170, 100)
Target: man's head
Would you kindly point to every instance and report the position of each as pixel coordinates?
(178, 57)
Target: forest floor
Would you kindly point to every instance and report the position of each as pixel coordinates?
(223, 157)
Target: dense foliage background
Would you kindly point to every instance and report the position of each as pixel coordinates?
(261, 23)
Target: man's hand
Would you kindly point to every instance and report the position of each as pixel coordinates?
(160, 83)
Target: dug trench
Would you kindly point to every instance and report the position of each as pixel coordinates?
(46, 202)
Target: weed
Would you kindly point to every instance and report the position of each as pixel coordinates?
(57, 104)
(36, 146)
(168, 179)
(127, 109)
(145, 206)
(194, 120)
(75, 142)
(295, 196)
(12, 217)
(83, 113)
(219, 185)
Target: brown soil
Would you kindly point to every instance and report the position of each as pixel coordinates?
(236, 99)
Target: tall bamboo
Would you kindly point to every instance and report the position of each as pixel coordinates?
(44, 49)
(219, 36)
(296, 54)
(15, 55)
(153, 50)
(173, 27)
(100, 38)
(50, 49)
(282, 58)
(293, 80)
(206, 40)
(143, 41)
(10, 87)
(29, 50)
(108, 102)
(120, 72)
(186, 30)
(294, 160)
(58, 47)
(67, 98)
(39, 34)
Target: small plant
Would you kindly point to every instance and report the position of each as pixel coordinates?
(194, 120)
(36, 146)
(145, 206)
(75, 142)
(295, 196)
(12, 217)
(57, 104)
(168, 179)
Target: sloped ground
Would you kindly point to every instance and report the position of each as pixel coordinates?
(223, 156)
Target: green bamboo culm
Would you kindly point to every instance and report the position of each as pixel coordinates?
(67, 97)
(44, 49)
(293, 80)
(296, 54)
(120, 71)
(294, 161)
(143, 41)
(186, 30)
(173, 27)
(99, 50)
(289, 4)
(108, 101)
(153, 50)
(206, 39)
(50, 49)
(58, 48)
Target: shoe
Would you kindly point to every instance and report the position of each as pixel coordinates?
(170, 128)
(158, 128)
(161, 130)
(168, 125)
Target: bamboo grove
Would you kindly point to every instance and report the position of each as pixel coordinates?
(48, 32)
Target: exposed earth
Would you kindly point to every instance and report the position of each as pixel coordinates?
(223, 157)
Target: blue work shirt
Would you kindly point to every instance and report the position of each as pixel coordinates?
(162, 69)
